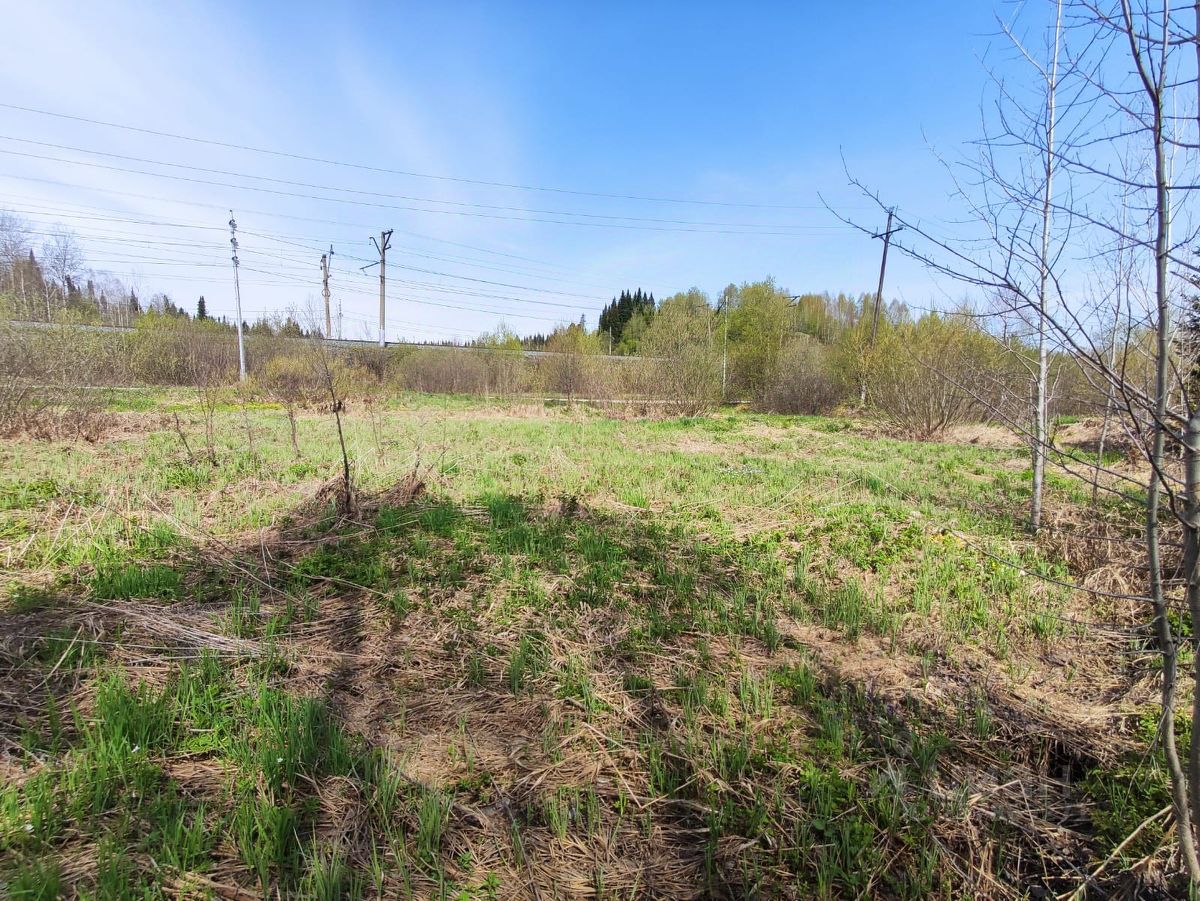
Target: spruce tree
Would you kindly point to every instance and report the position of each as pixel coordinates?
(618, 313)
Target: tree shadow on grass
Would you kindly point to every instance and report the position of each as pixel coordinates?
(524, 698)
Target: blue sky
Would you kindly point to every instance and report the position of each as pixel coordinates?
(747, 107)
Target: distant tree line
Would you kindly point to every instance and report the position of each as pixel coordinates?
(755, 343)
(51, 283)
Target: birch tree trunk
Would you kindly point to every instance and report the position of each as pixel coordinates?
(1041, 382)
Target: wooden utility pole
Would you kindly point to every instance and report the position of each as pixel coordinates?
(886, 234)
(237, 298)
(326, 260)
(382, 245)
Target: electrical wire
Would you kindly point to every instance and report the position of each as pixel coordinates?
(385, 195)
(398, 207)
(405, 173)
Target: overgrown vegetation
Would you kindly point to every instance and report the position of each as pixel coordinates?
(686, 355)
(550, 668)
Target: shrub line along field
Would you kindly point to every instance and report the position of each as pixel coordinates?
(557, 654)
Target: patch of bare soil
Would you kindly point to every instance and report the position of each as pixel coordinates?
(501, 411)
(688, 443)
(983, 435)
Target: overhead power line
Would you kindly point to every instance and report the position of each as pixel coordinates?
(209, 250)
(388, 196)
(274, 215)
(27, 207)
(750, 231)
(283, 154)
(309, 244)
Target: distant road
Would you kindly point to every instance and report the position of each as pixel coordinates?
(337, 342)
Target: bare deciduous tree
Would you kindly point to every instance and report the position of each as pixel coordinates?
(14, 245)
(684, 363)
(289, 380)
(326, 373)
(570, 371)
(1128, 142)
(62, 260)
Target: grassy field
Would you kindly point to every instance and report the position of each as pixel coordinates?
(559, 655)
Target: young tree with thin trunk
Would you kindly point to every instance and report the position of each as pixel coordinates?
(1121, 328)
(1150, 50)
(327, 373)
(1038, 445)
(1017, 166)
(1010, 190)
(289, 380)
